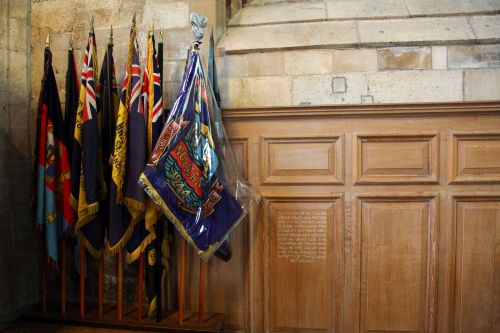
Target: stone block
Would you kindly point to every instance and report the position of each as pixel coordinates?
(486, 28)
(18, 77)
(18, 115)
(427, 30)
(327, 89)
(230, 90)
(177, 43)
(266, 64)
(234, 65)
(172, 15)
(365, 9)
(416, 86)
(474, 56)
(170, 90)
(18, 37)
(396, 58)
(266, 91)
(446, 7)
(285, 36)
(48, 14)
(482, 84)
(173, 70)
(354, 60)
(280, 13)
(439, 57)
(366, 99)
(308, 62)
(339, 84)
(19, 8)
(4, 28)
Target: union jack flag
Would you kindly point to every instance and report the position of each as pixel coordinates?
(127, 201)
(91, 189)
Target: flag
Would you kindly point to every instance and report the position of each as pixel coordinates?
(127, 227)
(87, 194)
(186, 175)
(212, 70)
(54, 215)
(224, 252)
(71, 102)
(152, 106)
(107, 118)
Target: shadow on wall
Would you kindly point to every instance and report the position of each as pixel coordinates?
(19, 268)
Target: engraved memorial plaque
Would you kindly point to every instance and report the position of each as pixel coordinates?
(301, 265)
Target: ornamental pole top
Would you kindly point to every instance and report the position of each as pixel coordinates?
(198, 23)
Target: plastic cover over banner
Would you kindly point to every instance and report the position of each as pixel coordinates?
(192, 173)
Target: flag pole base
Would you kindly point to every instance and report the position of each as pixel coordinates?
(213, 323)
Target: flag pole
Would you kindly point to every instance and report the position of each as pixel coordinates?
(82, 280)
(201, 296)
(100, 287)
(63, 277)
(182, 266)
(120, 285)
(159, 228)
(43, 275)
(139, 286)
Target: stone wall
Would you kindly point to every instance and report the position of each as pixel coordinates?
(18, 250)
(354, 52)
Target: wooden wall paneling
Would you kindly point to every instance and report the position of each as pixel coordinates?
(398, 262)
(302, 160)
(474, 157)
(303, 258)
(240, 151)
(476, 217)
(395, 158)
(407, 184)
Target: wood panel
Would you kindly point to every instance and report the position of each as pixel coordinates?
(302, 239)
(387, 177)
(381, 158)
(398, 264)
(240, 151)
(477, 273)
(474, 157)
(302, 160)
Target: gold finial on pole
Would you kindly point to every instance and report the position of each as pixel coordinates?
(161, 37)
(133, 21)
(47, 42)
(91, 26)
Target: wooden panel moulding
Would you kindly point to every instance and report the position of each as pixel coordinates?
(477, 263)
(474, 157)
(395, 158)
(302, 160)
(303, 274)
(398, 262)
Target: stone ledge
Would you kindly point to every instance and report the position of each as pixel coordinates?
(365, 33)
(278, 12)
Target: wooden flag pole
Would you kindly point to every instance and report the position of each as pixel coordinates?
(159, 268)
(43, 275)
(139, 286)
(120, 286)
(82, 280)
(201, 305)
(63, 277)
(182, 273)
(100, 287)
